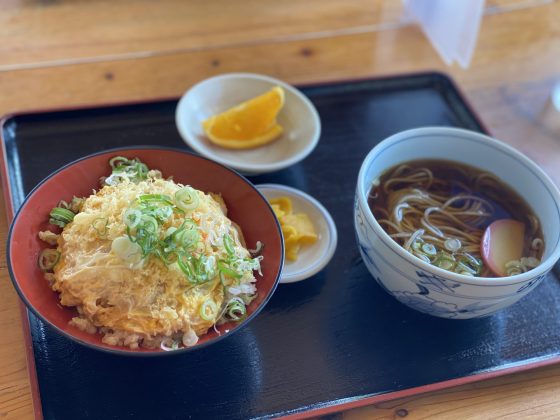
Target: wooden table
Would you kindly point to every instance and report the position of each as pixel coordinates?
(75, 52)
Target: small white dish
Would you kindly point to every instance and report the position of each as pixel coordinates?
(311, 258)
(298, 117)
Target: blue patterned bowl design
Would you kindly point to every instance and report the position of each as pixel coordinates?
(430, 289)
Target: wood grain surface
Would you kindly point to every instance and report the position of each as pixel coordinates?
(79, 52)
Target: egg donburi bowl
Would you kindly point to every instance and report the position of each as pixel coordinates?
(151, 260)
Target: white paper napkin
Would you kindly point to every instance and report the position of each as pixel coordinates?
(452, 26)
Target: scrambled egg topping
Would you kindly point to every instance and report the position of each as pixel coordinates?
(143, 301)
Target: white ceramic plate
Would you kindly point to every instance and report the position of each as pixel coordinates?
(298, 117)
(311, 258)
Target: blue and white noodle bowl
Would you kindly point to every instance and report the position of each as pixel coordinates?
(428, 288)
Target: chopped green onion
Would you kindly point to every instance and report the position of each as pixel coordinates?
(127, 250)
(144, 225)
(461, 268)
(472, 260)
(148, 242)
(429, 249)
(155, 198)
(174, 345)
(162, 213)
(452, 244)
(187, 268)
(60, 216)
(132, 217)
(123, 168)
(422, 256)
(167, 255)
(208, 310)
(521, 265)
(228, 245)
(445, 264)
(235, 309)
(76, 204)
(149, 223)
(142, 170)
(48, 259)
(117, 161)
(444, 260)
(100, 226)
(205, 268)
(170, 231)
(188, 238)
(170, 237)
(190, 224)
(186, 198)
(245, 264)
(530, 262)
(473, 263)
(197, 270)
(227, 270)
(114, 179)
(514, 263)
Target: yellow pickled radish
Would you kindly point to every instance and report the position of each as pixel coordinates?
(297, 228)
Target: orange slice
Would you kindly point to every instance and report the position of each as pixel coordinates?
(249, 124)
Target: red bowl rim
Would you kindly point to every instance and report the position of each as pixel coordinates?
(117, 350)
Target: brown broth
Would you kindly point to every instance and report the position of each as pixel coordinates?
(460, 178)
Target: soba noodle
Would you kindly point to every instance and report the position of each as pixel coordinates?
(438, 211)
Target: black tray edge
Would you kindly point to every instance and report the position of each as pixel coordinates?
(321, 409)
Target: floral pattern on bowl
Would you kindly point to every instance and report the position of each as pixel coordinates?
(431, 293)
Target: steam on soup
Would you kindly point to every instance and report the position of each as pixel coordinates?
(458, 218)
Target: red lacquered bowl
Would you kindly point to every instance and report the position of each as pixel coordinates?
(246, 206)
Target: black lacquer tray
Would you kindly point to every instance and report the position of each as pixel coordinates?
(325, 344)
